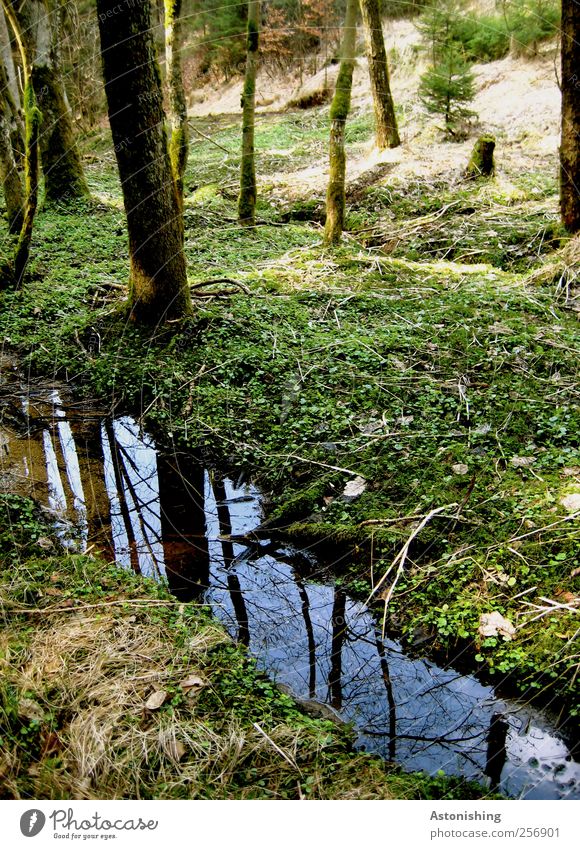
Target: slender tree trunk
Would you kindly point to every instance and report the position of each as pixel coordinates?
(11, 92)
(13, 193)
(386, 131)
(61, 164)
(7, 60)
(570, 142)
(177, 114)
(335, 194)
(32, 118)
(159, 288)
(247, 199)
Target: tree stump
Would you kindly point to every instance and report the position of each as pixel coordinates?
(481, 163)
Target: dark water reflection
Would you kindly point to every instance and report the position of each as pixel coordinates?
(164, 516)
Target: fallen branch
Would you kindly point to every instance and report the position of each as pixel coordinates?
(203, 283)
(402, 557)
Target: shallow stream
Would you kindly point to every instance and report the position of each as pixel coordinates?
(163, 515)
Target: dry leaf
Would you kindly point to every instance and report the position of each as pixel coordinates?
(29, 709)
(45, 543)
(192, 682)
(521, 462)
(571, 502)
(459, 469)
(492, 624)
(156, 699)
(355, 487)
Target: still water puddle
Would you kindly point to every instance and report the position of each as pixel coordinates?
(162, 515)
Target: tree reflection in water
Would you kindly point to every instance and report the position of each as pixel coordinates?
(168, 517)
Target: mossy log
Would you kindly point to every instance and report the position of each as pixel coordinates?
(481, 163)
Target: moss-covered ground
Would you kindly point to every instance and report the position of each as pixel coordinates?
(421, 355)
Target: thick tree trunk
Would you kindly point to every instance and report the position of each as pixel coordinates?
(159, 287)
(570, 142)
(177, 114)
(61, 164)
(247, 198)
(335, 194)
(386, 131)
(13, 193)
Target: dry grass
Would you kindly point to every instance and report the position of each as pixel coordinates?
(74, 721)
(562, 270)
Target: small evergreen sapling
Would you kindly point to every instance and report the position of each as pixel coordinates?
(446, 88)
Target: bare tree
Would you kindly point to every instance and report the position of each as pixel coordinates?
(13, 192)
(335, 194)
(247, 197)
(570, 141)
(32, 117)
(386, 131)
(61, 163)
(158, 286)
(177, 112)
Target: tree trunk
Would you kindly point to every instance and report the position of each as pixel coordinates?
(13, 194)
(570, 142)
(335, 195)
(386, 132)
(177, 113)
(10, 89)
(8, 61)
(247, 199)
(159, 288)
(61, 164)
(32, 118)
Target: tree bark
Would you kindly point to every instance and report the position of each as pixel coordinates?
(177, 113)
(10, 90)
(335, 194)
(13, 193)
(570, 141)
(32, 118)
(247, 198)
(61, 164)
(386, 131)
(8, 60)
(158, 285)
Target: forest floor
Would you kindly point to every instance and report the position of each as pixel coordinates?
(431, 358)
